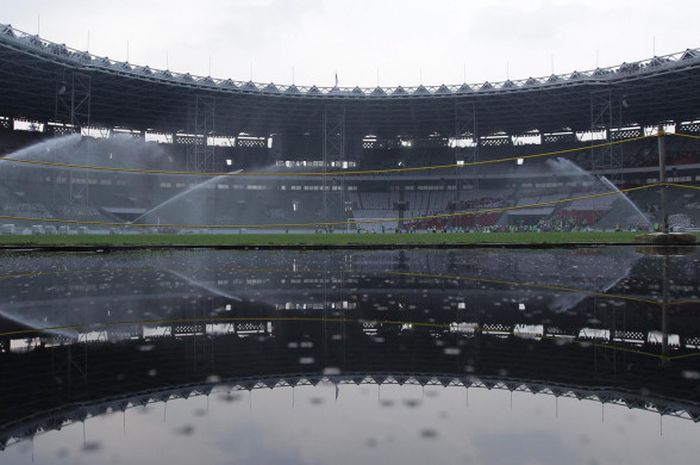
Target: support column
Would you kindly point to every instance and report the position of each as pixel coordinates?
(466, 127)
(664, 304)
(73, 99)
(401, 207)
(333, 148)
(662, 178)
(277, 149)
(69, 364)
(604, 117)
(202, 120)
(72, 107)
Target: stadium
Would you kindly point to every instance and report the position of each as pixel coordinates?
(209, 270)
(93, 145)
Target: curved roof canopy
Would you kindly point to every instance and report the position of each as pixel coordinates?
(141, 97)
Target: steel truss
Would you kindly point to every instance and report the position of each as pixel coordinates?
(201, 123)
(70, 365)
(606, 113)
(466, 127)
(72, 106)
(334, 144)
(73, 98)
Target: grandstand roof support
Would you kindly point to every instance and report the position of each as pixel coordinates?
(201, 124)
(73, 98)
(333, 146)
(72, 105)
(662, 178)
(604, 117)
(466, 126)
(664, 300)
(277, 149)
(70, 365)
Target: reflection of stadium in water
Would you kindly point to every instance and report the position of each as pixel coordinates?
(572, 287)
(86, 334)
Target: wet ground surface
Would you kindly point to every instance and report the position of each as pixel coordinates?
(482, 356)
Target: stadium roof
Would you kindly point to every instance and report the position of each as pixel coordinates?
(645, 92)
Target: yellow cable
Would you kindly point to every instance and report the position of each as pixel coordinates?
(682, 134)
(531, 285)
(327, 173)
(327, 223)
(335, 173)
(682, 186)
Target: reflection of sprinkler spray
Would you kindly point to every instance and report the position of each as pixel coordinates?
(665, 254)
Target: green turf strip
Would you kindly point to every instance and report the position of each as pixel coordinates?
(320, 240)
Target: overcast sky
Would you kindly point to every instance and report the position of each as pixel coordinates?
(399, 41)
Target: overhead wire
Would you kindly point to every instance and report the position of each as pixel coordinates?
(117, 169)
(355, 221)
(683, 134)
(547, 203)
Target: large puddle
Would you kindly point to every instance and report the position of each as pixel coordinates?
(485, 356)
